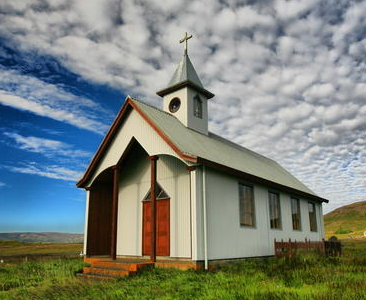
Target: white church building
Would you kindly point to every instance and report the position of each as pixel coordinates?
(162, 187)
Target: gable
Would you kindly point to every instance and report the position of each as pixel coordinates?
(133, 126)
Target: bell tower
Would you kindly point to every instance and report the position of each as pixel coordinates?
(185, 97)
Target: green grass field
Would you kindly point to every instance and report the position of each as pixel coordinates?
(15, 248)
(309, 276)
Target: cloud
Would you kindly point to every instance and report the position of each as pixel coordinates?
(47, 147)
(31, 94)
(288, 75)
(54, 171)
(2, 184)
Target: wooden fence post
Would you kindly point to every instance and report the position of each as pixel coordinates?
(290, 254)
(275, 248)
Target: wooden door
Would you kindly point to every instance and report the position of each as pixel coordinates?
(162, 227)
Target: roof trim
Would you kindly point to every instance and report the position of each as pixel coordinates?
(257, 179)
(189, 83)
(126, 108)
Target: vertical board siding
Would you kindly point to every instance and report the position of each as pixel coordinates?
(133, 126)
(227, 239)
(174, 179)
(134, 184)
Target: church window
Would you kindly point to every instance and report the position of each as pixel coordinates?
(274, 210)
(246, 205)
(197, 106)
(295, 210)
(160, 193)
(312, 216)
(174, 105)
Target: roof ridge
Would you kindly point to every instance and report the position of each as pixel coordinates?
(210, 133)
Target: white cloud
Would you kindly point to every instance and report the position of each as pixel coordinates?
(47, 147)
(2, 184)
(288, 75)
(28, 93)
(54, 171)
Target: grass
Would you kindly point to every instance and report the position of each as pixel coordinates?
(310, 276)
(347, 221)
(15, 248)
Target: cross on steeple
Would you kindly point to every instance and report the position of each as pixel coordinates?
(185, 39)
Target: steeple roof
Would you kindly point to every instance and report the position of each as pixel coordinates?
(185, 72)
(184, 75)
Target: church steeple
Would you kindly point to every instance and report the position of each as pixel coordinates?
(185, 97)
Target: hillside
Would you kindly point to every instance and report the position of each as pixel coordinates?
(43, 237)
(348, 220)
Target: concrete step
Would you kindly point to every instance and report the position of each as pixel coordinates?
(107, 271)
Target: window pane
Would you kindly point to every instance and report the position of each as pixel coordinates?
(274, 210)
(312, 217)
(295, 208)
(197, 106)
(246, 205)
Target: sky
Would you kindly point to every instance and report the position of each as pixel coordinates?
(288, 77)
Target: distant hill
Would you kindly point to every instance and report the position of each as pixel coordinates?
(348, 220)
(43, 237)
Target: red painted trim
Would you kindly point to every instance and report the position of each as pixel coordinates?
(257, 179)
(153, 208)
(109, 136)
(126, 108)
(162, 135)
(155, 157)
(190, 168)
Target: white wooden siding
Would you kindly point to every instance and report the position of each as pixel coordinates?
(227, 239)
(133, 126)
(134, 184)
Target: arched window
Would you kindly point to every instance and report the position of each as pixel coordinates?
(197, 102)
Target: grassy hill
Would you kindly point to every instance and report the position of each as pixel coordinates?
(346, 221)
(42, 237)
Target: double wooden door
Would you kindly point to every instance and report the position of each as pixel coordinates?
(162, 227)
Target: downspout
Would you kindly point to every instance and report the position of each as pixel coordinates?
(204, 216)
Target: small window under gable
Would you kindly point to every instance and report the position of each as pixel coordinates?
(160, 193)
(197, 102)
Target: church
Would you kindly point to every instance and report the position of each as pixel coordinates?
(162, 188)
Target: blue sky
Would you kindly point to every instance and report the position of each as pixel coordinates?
(289, 79)
(37, 192)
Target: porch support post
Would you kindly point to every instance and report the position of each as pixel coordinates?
(153, 160)
(114, 212)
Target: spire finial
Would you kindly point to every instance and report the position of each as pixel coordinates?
(185, 39)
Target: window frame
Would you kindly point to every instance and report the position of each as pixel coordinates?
(315, 216)
(197, 99)
(172, 102)
(254, 218)
(279, 210)
(299, 212)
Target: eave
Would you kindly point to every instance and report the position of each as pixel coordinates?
(188, 83)
(122, 114)
(126, 108)
(256, 179)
